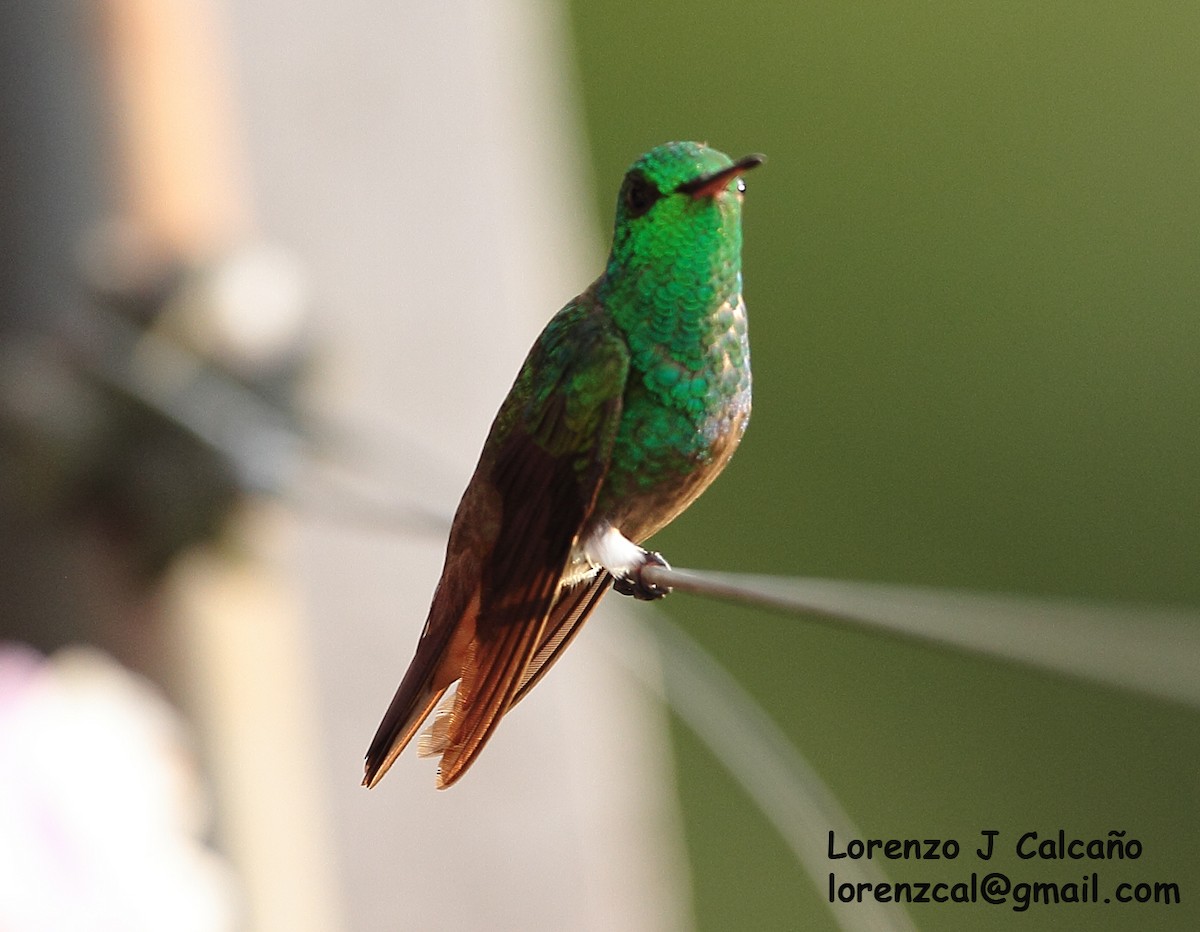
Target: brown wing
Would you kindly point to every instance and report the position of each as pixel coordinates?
(566, 618)
(518, 588)
(535, 485)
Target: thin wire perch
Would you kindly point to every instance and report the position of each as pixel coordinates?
(1147, 649)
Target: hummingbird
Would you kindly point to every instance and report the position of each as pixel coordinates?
(629, 404)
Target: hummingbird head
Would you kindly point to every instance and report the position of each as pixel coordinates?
(677, 241)
(679, 172)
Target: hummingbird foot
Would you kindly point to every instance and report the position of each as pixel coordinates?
(607, 548)
(632, 583)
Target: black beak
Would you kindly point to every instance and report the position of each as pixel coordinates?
(708, 185)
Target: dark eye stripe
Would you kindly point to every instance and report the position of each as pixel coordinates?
(640, 195)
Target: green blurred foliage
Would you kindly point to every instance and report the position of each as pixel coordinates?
(973, 272)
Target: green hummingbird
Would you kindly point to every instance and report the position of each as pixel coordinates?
(630, 403)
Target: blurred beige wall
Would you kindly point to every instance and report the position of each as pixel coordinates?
(426, 164)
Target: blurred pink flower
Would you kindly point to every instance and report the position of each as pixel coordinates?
(102, 813)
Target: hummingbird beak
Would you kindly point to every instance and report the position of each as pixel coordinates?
(708, 185)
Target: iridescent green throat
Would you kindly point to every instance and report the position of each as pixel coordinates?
(673, 279)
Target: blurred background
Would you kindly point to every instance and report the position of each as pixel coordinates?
(268, 271)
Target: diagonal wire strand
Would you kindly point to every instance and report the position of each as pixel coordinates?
(1152, 650)
(771, 770)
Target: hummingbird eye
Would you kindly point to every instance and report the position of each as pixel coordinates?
(640, 195)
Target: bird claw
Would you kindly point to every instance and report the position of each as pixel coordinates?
(633, 584)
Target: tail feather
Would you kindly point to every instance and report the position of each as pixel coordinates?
(403, 719)
(434, 668)
(490, 679)
(437, 734)
(566, 619)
